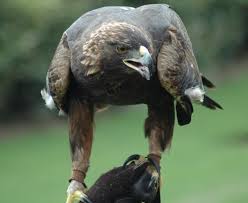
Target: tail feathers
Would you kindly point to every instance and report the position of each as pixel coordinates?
(206, 82)
(184, 110)
(211, 104)
(48, 99)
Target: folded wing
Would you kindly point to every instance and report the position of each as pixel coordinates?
(179, 74)
(58, 77)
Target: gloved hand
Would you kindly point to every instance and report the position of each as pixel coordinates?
(115, 183)
(135, 182)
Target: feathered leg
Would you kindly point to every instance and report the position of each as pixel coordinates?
(159, 127)
(81, 137)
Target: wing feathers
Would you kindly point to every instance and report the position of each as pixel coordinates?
(177, 66)
(207, 82)
(48, 99)
(211, 104)
(58, 75)
(184, 111)
(178, 72)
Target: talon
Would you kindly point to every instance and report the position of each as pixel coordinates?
(153, 182)
(131, 158)
(75, 197)
(147, 186)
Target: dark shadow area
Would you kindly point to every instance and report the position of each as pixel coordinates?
(239, 139)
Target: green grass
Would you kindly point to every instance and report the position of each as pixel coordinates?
(208, 160)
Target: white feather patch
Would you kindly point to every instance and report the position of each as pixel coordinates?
(127, 8)
(62, 113)
(195, 94)
(48, 99)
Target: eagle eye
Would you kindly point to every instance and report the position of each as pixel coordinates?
(121, 49)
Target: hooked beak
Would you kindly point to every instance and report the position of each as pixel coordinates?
(142, 64)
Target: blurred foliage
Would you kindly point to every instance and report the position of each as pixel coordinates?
(30, 31)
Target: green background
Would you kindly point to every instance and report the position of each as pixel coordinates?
(207, 161)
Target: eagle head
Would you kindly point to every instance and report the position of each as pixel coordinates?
(121, 47)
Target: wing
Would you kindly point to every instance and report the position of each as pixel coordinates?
(59, 75)
(178, 71)
(177, 66)
(207, 83)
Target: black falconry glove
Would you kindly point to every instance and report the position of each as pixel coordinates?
(135, 182)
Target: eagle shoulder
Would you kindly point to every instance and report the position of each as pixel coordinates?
(58, 75)
(176, 63)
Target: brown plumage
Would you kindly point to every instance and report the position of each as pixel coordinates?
(58, 74)
(123, 56)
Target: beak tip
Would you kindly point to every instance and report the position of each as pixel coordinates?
(142, 64)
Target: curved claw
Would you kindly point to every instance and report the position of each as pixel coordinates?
(75, 197)
(155, 182)
(155, 164)
(147, 186)
(133, 157)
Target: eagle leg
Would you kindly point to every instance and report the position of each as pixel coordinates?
(159, 128)
(81, 136)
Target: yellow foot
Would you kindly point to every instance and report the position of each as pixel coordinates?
(75, 197)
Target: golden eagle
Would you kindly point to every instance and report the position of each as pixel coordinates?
(124, 56)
